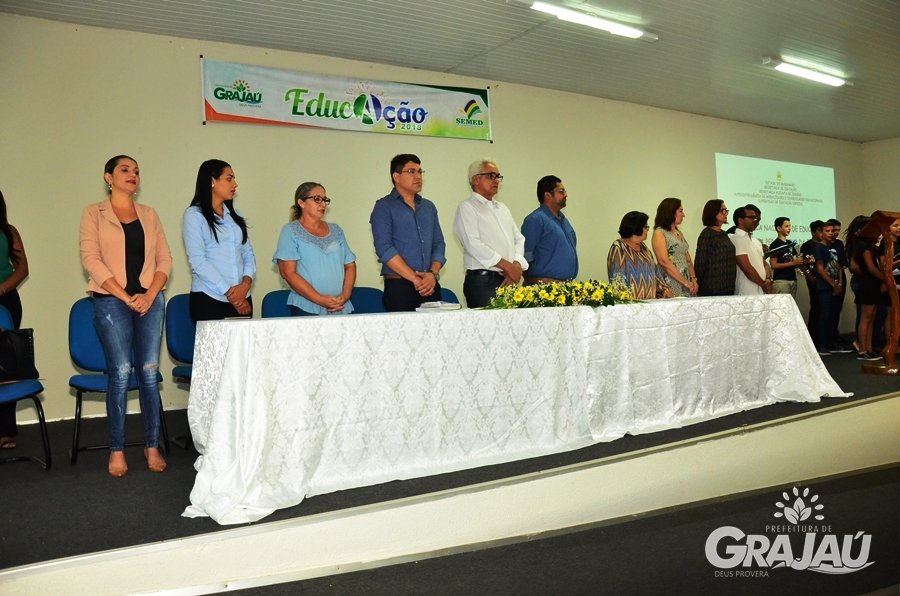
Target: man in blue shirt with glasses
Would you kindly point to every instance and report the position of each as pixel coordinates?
(408, 239)
(549, 237)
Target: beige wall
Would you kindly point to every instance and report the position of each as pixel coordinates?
(881, 176)
(72, 96)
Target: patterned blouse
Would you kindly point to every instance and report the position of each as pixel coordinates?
(677, 249)
(637, 269)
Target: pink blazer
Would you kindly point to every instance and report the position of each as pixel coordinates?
(103, 246)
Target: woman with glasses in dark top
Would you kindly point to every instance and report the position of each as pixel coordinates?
(715, 263)
(313, 257)
(218, 249)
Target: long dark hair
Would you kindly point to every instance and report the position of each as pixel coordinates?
(856, 245)
(665, 213)
(209, 169)
(7, 231)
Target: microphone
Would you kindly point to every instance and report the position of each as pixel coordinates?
(775, 251)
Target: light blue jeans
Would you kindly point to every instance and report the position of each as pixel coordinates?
(124, 333)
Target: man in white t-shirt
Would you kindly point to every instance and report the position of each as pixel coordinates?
(751, 278)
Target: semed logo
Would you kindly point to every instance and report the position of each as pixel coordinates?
(469, 112)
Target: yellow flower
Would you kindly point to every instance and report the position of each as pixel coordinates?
(591, 292)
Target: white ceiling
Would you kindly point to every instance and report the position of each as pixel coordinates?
(707, 59)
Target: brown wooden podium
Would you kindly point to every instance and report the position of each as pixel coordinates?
(880, 226)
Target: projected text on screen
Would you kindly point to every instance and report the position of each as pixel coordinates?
(798, 191)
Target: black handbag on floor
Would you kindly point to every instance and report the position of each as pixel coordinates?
(17, 355)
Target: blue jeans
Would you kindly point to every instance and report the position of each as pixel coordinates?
(480, 287)
(829, 307)
(124, 333)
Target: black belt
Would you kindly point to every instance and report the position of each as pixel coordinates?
(483, 272)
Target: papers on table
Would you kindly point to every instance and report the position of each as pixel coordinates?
(439, 305)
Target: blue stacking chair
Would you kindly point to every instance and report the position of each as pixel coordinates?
(86, 353)
(180, 332)
(18, 390)
(448, 295)
(367, 300)
(275, 304)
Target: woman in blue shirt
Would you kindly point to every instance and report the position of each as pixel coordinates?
(218, 249)
(313, 257)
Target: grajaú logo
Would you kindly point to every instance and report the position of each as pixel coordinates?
(736, 553)
(239, 91)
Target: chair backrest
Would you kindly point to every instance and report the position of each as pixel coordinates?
(275, 304)
(84, 343)
(6, 321)
(367, 300)
(180, 329)
(448, 295)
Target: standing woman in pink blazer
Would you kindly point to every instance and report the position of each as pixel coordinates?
(127, 258)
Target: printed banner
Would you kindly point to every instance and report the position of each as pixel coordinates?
(255, 94)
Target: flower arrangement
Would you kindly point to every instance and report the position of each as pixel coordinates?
(569, 293)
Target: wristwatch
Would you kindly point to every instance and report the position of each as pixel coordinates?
(436, 274)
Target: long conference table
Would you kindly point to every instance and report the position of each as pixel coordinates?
(283, 409)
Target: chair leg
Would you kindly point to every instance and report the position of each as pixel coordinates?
(163, 427)
(73, 454)
(45, 438)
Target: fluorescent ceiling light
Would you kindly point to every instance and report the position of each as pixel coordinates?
(804, 72)
(575, 16)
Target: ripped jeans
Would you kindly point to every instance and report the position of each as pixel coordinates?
(122, 333)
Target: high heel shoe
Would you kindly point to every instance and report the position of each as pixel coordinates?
(155, 460)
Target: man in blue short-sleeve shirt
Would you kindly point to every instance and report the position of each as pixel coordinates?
(408, 239)
(549, 237)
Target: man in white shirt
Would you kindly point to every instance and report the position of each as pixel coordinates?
(751, 278)
(493, 246)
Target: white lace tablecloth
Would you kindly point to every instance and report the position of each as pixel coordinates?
(282, 409)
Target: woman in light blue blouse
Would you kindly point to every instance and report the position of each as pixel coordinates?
(218, 249)
(313, 257)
